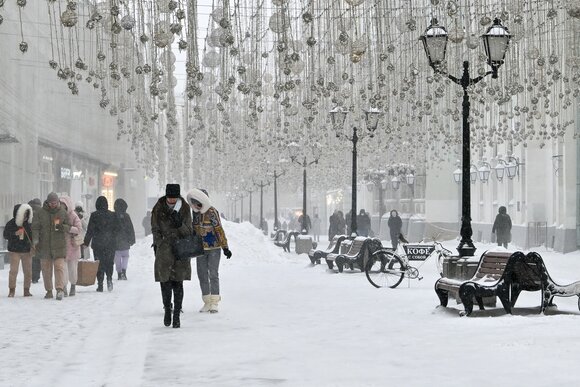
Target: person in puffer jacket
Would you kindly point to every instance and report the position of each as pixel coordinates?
(73, 250)
(206, 222)
(125, 238)
(18, 232)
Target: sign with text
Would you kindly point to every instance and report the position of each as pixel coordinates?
(418, 252)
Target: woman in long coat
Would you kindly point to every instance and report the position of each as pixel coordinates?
(395, 225)
(170, 220)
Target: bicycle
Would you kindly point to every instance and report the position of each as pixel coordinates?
(387, 268)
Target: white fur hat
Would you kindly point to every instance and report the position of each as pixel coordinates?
(196, 194)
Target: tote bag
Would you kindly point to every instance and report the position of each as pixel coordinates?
(189, 247)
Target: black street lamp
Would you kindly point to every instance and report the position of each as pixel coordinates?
(338, 117)
(293, 150)
(495, 41)
(276, 220)
(261, 185)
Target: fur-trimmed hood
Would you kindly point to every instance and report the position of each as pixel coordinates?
(200, 197)
(67, 201)
(19, 212)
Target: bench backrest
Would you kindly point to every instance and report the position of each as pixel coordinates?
(345, 246)
(356, 246)
(528, 271)
(492, 264)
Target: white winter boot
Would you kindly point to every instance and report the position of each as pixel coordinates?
(213, 305)
(206, 302)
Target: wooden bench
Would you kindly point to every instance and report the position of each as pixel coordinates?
(357, 254)
(489, 280)
(278, 235)
(285, 243)
(529, 273)
(316, 255)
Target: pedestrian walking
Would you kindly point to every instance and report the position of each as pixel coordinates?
(125, 238)
(206, 223)
(100, 235)
(502, 227)
(18, 231)
(316, 224)
(363, 223)
(48, 236)
(73, 249)
(147, 223)
(80, 211)
(36, 205)
(170, 220)
(395, 225)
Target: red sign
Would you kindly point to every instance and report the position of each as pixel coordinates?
(108, 181)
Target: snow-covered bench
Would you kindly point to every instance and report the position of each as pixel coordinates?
(316, 255)
(357, 254)
(285, 243)
(490, 280)
(529, 273)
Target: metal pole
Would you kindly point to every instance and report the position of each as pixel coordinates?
(466, 247)
(276, 223)
(304, 196)
(242, 211)
(261, 204)
(381, 206)
(353, 227)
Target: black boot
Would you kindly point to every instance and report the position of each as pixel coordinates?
(124, 274)
(119, 276)
(166, 296)
(176, 321)
(178, 299)
(100, 287)
(167, 317)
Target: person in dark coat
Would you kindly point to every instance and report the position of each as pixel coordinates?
(36, 204)
(171, 220)
(363, 223)
(502, 227)
(304, 223)
(395, 225)
(340, 224)
(18, 232)
(101, 235)
(147, 223)
(348, 222)
(333, 225)
(125, 238)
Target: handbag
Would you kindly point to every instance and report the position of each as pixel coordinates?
(78, 239)
(189, 247)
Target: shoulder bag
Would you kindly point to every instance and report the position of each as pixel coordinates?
(189, 247)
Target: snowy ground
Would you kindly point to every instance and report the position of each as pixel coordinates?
(284, 322)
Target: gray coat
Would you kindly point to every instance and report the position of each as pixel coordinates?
(167, 268)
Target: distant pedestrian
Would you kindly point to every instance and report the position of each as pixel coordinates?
(502, 227)
(363, 223)
(80, 211)
(18, 231)
(305, 224)
(333, 225)
(100, 235)
(147, 223)
(125, 238)
(395, 225)
(36, 205)
(316, 224)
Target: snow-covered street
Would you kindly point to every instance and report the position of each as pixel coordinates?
(284, 322)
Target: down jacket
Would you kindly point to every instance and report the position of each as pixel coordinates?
(15, 244)
(102, 227)
(73, 251)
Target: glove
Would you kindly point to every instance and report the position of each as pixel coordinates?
(58, 227)
(176, 220)
(227, 253)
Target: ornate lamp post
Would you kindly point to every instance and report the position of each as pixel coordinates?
(261, 185)
(276, 220)
(338, 117)
(294, 150)
(495, 41)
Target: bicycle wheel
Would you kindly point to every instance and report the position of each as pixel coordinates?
(385, 269)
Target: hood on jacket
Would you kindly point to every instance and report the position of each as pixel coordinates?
(20, 211)
(502, 210)
(200, 197)
(67, 201)
(120, 206)
(102, 203)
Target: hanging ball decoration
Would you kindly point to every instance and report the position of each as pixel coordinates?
(311, 41)
(485, 20)
(21, 3)
(175, 28)
(144, 38)
(217, 14)
(472, 42)
(573, 10)
(162, 39)
(456, 35)
(279, 22)
(211, 59)
(180, 14)
(172, 5)
(116, 28)
(182, 45)
(23, 47)
(354, 3)
(69, 18)
(53, 65)
(279, 2)
(307, 17)
(100, 56)
(128, 22)
(1, 19)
